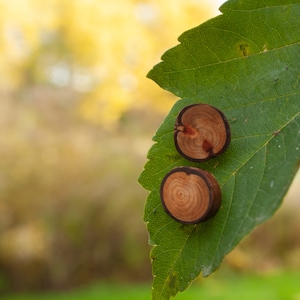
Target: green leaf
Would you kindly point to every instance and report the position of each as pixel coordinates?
(245, 62)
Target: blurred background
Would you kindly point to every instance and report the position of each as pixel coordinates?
(77, 114)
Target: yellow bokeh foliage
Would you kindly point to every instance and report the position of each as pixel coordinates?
(104, 48)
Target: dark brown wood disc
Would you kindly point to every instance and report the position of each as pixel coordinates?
(201, 132)
(190, 195)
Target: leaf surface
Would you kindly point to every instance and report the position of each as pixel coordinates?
(245, 62)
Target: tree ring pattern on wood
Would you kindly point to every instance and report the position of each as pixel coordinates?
(190, 195)
(201, 132)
